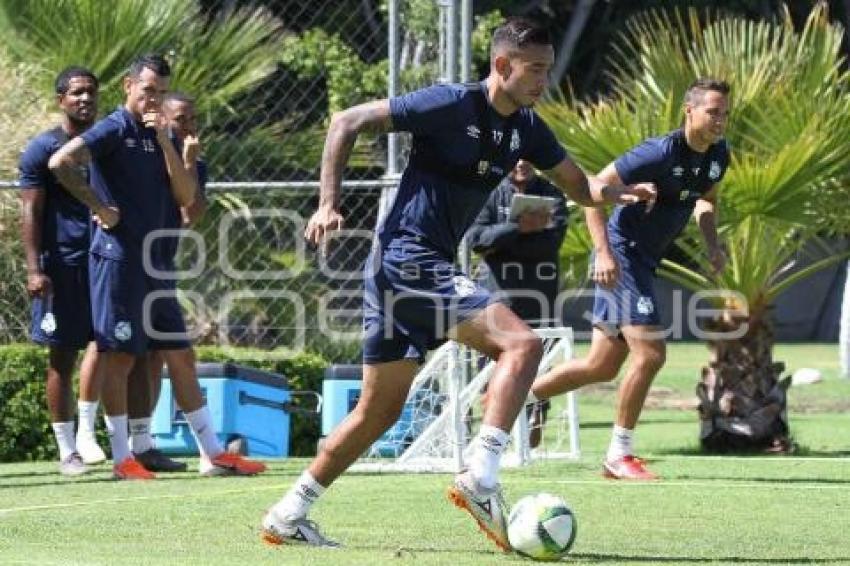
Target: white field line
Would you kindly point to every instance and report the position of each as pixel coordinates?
(86, 503)
(768, 484)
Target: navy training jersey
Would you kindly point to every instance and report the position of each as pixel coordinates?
(128, 171)
(681, 176)
(65, 221)
(434, 208)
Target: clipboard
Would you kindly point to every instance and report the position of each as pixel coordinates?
(521, 203)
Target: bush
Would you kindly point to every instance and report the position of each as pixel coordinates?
(25, 422)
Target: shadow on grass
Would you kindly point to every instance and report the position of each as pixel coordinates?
(621, 558)
(799, 452)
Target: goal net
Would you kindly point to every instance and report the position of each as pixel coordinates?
(443, 412)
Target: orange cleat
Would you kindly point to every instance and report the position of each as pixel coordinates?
(130, 469)
(236, 464)
(628, 468)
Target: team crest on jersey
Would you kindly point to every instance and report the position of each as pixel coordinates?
(48, 324)
(464, 286)
(515, 140)
(123, 331)
(473, 131)
(645, 306)
(714, 171)
(678, 171)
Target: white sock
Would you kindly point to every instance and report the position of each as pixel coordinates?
(487, 451)
(621, 443)
(300, 497)
(116, 426)
(140, 435)
(87, 411)
(201, 425)
(64, 433)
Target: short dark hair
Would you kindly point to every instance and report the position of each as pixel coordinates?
(63, 79)
(702, 85)
(516, 33)
(178, 96)
(152, 61)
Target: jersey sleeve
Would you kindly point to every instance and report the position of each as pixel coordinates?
(32, 167)
(543, 148)
(425, 111)
(641, 163)
(103, 138)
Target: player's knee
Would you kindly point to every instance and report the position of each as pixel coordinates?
(530, 347)
(651, 359)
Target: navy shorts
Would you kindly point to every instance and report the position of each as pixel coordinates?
(133, 312)
(63, 319)
(632, 300)
(413, 298)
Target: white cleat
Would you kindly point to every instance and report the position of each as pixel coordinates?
(72, 466)
(278, 531)
(89, 450)
(487, 507)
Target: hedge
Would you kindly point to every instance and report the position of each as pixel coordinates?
(25, 432)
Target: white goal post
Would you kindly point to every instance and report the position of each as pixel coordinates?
(439, 416)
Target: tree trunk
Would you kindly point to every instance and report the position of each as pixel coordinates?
(743, 402)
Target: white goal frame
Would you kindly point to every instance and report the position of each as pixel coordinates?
(440, 445)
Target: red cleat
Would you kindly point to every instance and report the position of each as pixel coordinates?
(627, 468)
(236, 464)
(130, 469)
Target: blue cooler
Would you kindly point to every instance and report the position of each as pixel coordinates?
(243, 402)
(340, 393)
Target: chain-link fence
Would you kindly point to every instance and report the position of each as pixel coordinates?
(249, 277)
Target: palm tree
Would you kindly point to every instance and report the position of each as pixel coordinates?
(218, 59)
(786, 186)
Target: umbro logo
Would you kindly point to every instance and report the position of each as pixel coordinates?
(473, 132)
(678, 171)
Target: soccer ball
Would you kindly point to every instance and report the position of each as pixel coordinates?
(542, 527)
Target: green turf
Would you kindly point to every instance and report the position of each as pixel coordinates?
(711, 510)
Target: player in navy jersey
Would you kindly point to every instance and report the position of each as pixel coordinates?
(466, 138)
(137, 167)
(55, 233)
(179, 111)
(686, 166)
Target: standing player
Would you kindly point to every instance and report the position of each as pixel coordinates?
(135, 164)
(465, 140)
(179, 111)
(55, 232)
(686, 166)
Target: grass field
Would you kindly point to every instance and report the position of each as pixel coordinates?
(723, 510)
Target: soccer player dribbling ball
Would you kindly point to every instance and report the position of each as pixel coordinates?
(466, 138)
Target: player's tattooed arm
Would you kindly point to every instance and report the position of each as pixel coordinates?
(67, 166)
(373, 117)
(595, 191)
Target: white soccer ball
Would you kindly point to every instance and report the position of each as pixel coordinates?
(542, 527)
